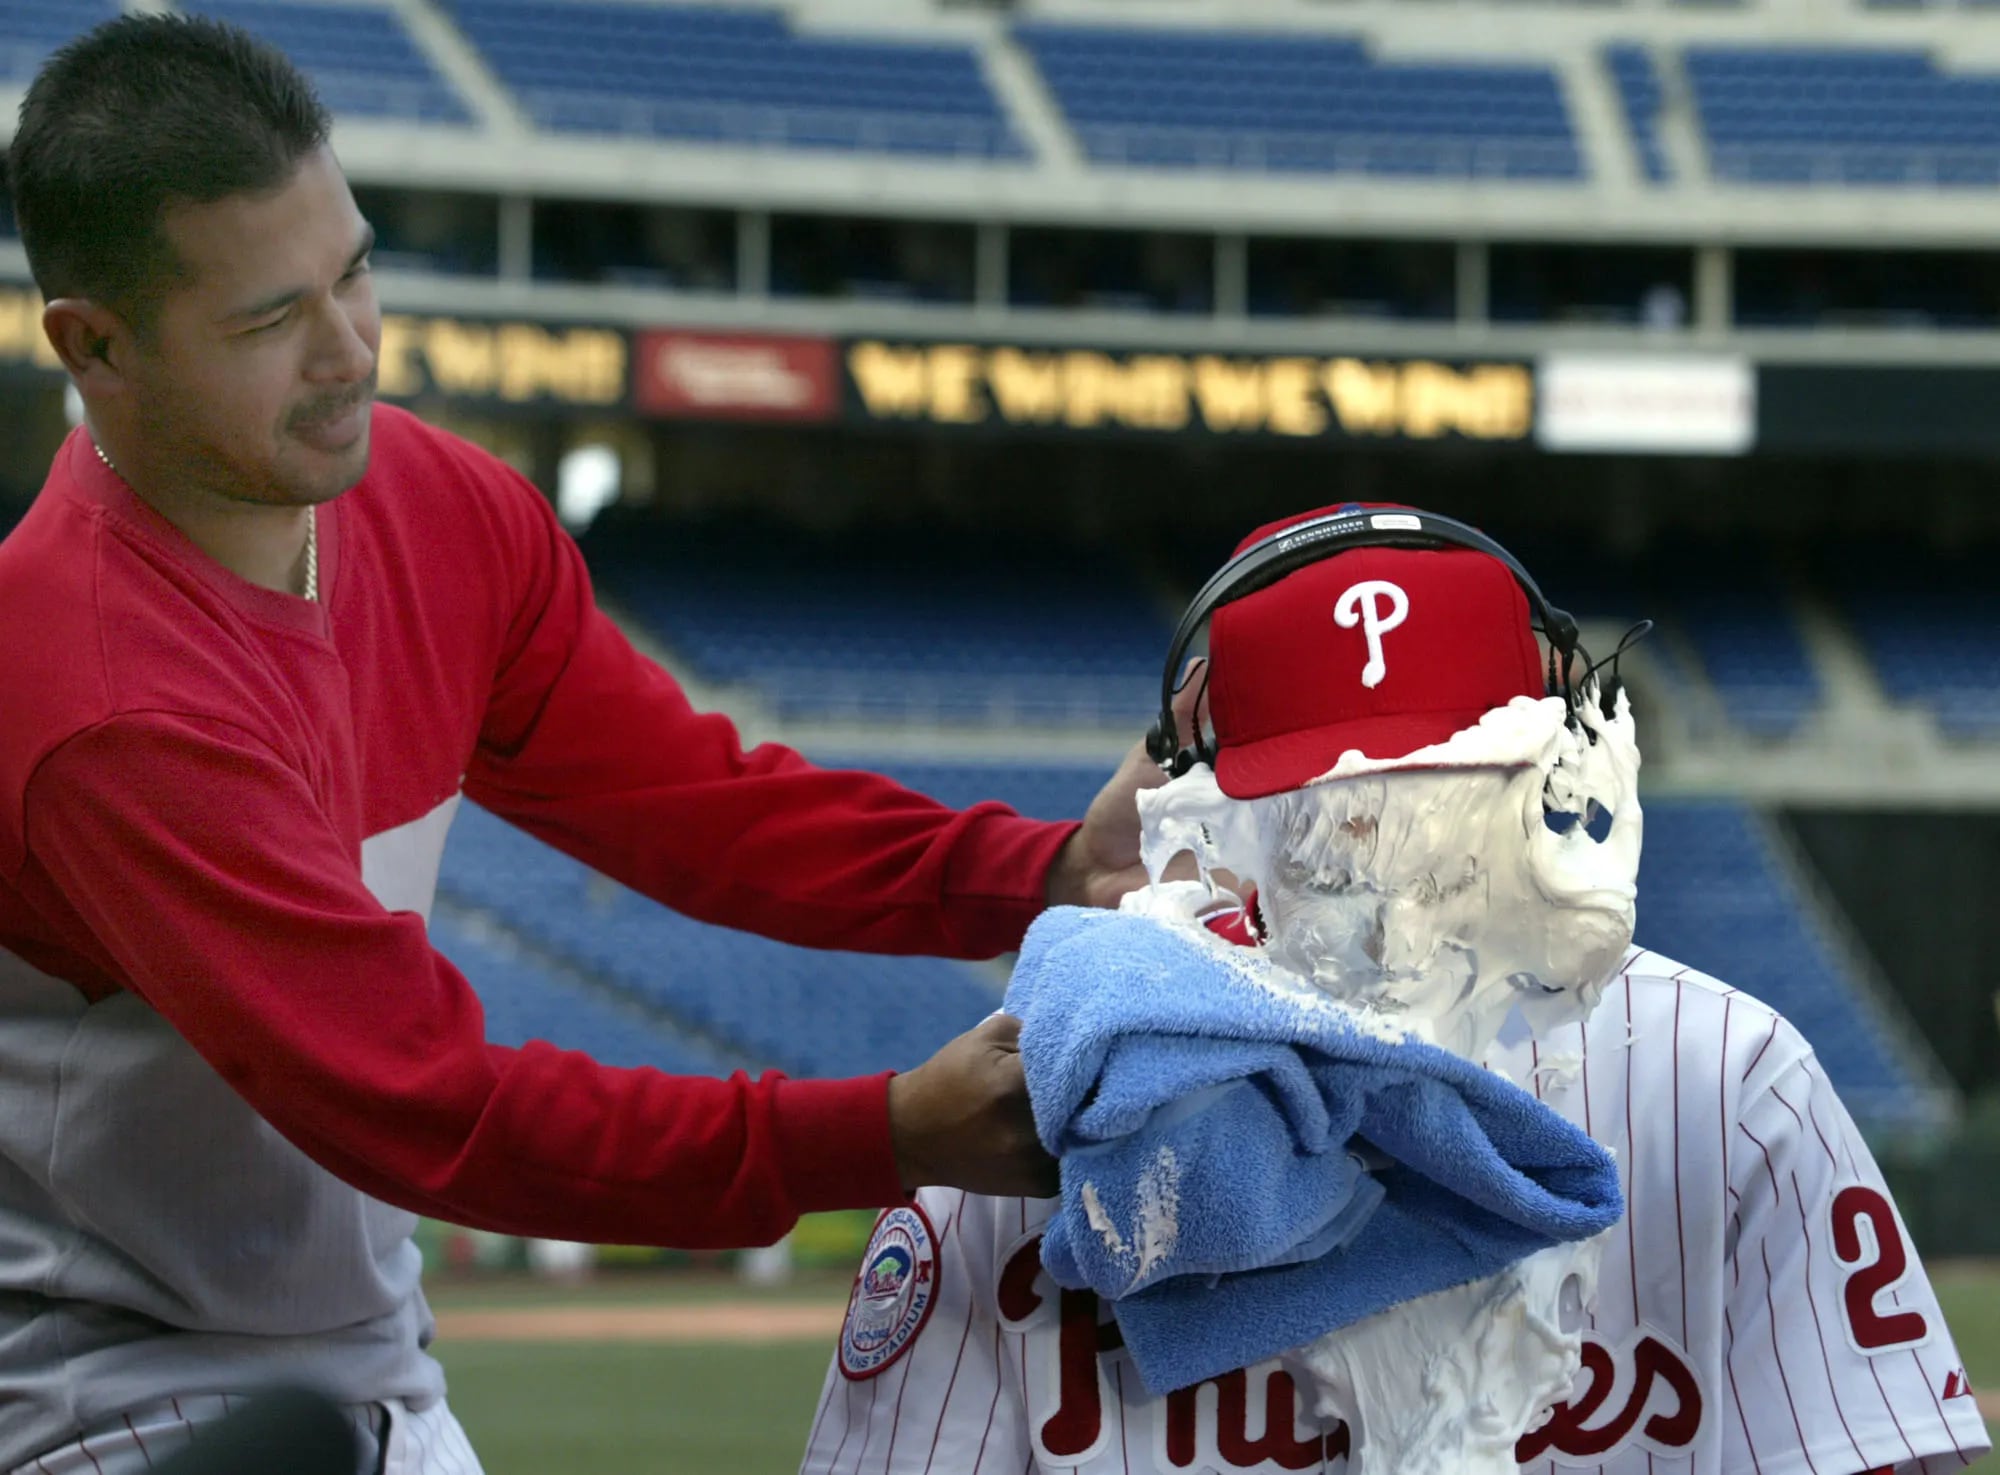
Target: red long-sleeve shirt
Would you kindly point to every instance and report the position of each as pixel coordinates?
(191, 766)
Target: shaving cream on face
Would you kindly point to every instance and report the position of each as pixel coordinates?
(1430, 895)
(1434, 888)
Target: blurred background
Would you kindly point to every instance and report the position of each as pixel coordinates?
(902, 368)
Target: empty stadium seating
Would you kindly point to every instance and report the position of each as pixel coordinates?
(1753, 654)
(525, 1002)
(1717, 616)
(1712, 894)
(888, 629)
(900, 629)
(1157, 98)
(735, 76)
(810, 1013)
(31, 29)
(360, 58)
(1932, 631)
(1806, 115)
(1133, 96)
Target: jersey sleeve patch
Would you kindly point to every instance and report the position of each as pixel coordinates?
(893, 1294)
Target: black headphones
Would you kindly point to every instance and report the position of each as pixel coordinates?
(1292, 548)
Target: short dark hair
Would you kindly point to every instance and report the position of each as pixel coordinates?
(144, 112)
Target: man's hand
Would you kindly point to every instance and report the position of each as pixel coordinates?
(1100, 863)
(962, 1119)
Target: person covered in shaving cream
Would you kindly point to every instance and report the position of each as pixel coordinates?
(1408, 821)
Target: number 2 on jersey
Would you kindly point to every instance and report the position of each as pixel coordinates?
(1867, 1239)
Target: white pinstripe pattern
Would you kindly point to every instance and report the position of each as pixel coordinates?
(427, 1441)
(1725, 1261)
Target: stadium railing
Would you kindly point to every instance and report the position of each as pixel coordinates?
(390, 99)
(1921, 166)
(949, 135)
(1154, 146)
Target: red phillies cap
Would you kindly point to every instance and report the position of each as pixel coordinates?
(1385, 650)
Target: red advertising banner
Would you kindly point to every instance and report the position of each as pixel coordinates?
(736, 376)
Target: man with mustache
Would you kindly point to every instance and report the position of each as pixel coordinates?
(257, 637)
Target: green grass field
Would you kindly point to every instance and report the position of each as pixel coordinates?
(642, 1409)
(536, 1409)
(1970, 1295)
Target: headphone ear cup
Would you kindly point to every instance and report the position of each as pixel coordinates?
(1162, 743)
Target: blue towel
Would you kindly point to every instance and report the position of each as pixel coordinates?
(1212, 1114)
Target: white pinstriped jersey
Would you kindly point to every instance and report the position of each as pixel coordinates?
(392, 1438)
(1759, 1311)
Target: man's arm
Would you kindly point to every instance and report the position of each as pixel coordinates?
(184, 857)
(592, 747)
(1838, 1357)
(595, 749)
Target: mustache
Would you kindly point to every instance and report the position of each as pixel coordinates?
(321, 411)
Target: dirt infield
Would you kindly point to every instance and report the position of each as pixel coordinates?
(748, 1321)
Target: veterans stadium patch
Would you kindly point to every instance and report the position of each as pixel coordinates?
(893, 1294)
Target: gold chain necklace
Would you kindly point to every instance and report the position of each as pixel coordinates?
(312, 531)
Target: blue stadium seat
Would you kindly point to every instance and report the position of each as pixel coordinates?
(811, 1013)
(31, 29)
(737, 76)
(1754, 656)
(1932, 630)
(894, 629)
(525, 1002)
(1713, 895)
(1768, 695)
(361, 60)
(1827, 116)
(1140, 98)
(1725, 610)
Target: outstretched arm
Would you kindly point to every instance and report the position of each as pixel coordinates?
(187, 860)
(594, 748)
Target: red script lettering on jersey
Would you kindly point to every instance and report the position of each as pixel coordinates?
(1279, 1444)
(1655, 1365)
(1077, 1425)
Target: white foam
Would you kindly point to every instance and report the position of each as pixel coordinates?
(1158, 1227)
(1425, 897)
(1447, 1384)
(1179, 905)
(1429, 889)
(1159, 1211)
(1559, 1069)
(1102, 1222)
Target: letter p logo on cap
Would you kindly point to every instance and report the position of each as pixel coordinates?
(1359, 605)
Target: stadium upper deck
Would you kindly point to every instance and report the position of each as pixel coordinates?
(1752, 121)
